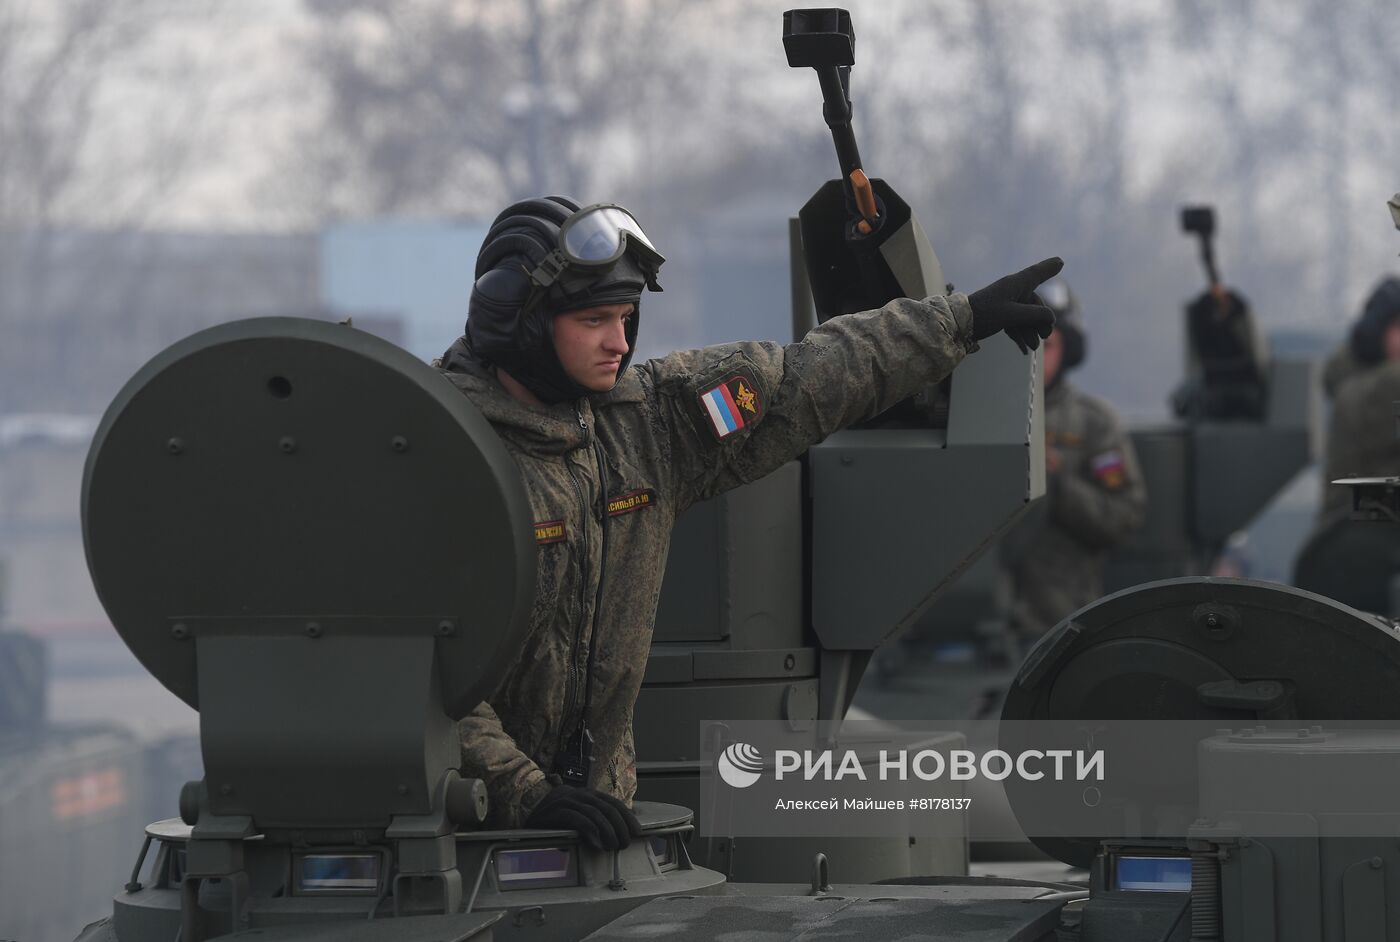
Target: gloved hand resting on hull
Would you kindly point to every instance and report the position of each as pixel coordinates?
(601, 820)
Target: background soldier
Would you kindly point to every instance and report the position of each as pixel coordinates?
(1365, 383)
(611, 455)
(1365, 344)
(1094, 493)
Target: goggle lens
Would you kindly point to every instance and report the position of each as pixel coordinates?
(596, 234)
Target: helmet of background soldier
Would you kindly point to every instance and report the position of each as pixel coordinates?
(1368, 333)
(510, 319)
(1069, 321)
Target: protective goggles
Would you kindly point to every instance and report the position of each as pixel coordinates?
(594, 239)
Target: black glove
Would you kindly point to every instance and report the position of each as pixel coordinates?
(1010, 304)
(601, 820)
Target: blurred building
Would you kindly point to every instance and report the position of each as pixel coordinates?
(417, 273)
(102, 303)
(72, 332)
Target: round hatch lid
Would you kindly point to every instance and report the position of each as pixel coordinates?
(284, 468)
(1230, 651)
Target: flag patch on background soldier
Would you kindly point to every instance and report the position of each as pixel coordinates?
(732, 404)
(1108, 469)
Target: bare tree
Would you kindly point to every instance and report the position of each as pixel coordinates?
(72, 159)
(437, 107)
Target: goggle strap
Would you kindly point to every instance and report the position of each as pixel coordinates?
(549, 270)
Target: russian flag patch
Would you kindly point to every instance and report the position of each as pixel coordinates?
(732, 404)
(1109, 468)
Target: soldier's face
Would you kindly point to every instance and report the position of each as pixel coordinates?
(1054, 354)
(1391, 341)
(591, 343)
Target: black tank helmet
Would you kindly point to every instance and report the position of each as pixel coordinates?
(543, 257)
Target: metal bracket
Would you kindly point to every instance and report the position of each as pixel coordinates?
(426, 850)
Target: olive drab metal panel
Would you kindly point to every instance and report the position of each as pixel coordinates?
(897, 514)
(734, 573)
(318, 471)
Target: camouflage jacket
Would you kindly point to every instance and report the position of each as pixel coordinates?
(1092, 503)
(1341, 365)
(607, 477)
(1361, 439)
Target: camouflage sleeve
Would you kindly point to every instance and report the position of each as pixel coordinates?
(514, 783)
(1103, 501)
(734, 412)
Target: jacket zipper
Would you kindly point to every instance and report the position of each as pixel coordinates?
(601, 457)
(582, 586)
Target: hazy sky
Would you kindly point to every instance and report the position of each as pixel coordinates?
(257, 92)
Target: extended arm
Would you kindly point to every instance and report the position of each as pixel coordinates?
(735, 412)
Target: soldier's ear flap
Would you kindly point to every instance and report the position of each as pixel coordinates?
(1076, 345)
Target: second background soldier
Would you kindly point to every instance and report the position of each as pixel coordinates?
(1094, 492)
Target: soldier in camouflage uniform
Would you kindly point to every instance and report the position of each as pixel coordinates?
(1361, 438)
(1095, 496)
(611, 455)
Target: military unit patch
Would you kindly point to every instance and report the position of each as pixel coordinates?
(632, 500)
(549, 531)
(1108, 469)
(732, 404)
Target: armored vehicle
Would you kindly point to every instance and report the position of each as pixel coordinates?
(284, 475)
